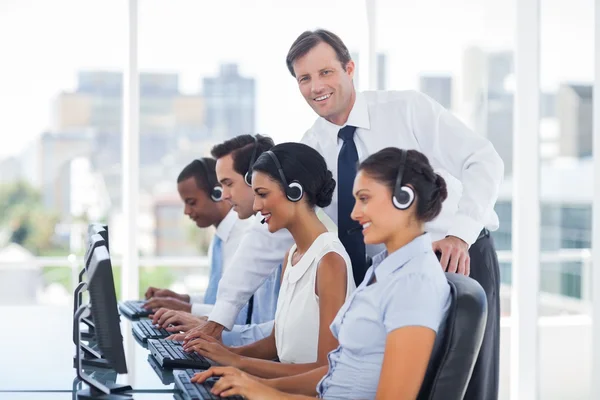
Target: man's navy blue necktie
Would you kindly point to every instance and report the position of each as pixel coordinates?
(353, 240)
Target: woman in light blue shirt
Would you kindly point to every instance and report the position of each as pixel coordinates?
(388, 329)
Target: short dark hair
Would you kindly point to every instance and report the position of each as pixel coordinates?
(430, 188)
(304, 164)
(309, 40)
(203, 173)
(240, 148)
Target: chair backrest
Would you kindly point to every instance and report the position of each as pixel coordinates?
(450, 371)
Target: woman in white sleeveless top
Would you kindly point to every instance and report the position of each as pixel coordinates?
(289, 182)
(296, 325)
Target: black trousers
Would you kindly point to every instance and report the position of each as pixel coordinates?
(485, 270)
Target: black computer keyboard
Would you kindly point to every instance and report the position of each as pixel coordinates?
(170, 354)
(144, 330)
(196, 391)
(133, 309)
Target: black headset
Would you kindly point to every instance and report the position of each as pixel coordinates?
(248, 176)
(294, 190)
(403, 196)
(216, 191)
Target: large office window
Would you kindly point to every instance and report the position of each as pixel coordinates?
(566, 75)
(566, 81)
(60, 128)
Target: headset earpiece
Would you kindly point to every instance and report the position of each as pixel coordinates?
(216, 194)
(216, 191)
(294, 190)
(248, 175)
(403, 196)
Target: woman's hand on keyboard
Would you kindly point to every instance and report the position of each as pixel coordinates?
(234, 382)
(211, 348)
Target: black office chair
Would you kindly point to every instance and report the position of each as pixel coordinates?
(449, 373)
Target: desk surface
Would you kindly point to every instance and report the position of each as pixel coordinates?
(37, 355)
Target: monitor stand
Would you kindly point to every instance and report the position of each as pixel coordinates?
(96, 390)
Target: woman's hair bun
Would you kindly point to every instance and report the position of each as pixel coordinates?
(325, 195)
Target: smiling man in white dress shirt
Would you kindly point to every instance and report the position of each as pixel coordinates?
(350, 127)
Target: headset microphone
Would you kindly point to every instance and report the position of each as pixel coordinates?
(263, 221)
(354, 230)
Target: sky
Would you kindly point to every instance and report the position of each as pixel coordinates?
(44, 43)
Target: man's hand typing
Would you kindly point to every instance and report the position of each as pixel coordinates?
(209, 328)
(175, 321)
(157, 292)
(167, 302)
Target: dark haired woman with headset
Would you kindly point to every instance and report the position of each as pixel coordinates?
(289, 182)
(388, 328)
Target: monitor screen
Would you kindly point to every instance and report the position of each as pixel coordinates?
(103, 300)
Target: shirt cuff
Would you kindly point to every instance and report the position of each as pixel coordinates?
(197, 298)
(465, 228)
(225, 314)
(201, 310)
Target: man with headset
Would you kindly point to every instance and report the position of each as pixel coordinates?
(202, 196)
(235, 158)
(350, 127)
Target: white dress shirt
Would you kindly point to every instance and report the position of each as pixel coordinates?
(231, 231)
(468, 162)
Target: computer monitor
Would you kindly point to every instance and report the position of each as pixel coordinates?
(103, 309)
(95, 240)
(93, 229)
(101, 229)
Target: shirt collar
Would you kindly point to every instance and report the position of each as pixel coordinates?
(384, 264)
(359, 117)
(226, 225)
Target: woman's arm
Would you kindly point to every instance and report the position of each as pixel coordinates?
(305, 383)
(407, 354)
(212, 349)
(331, 286)
(412, 308)
(264, 349)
